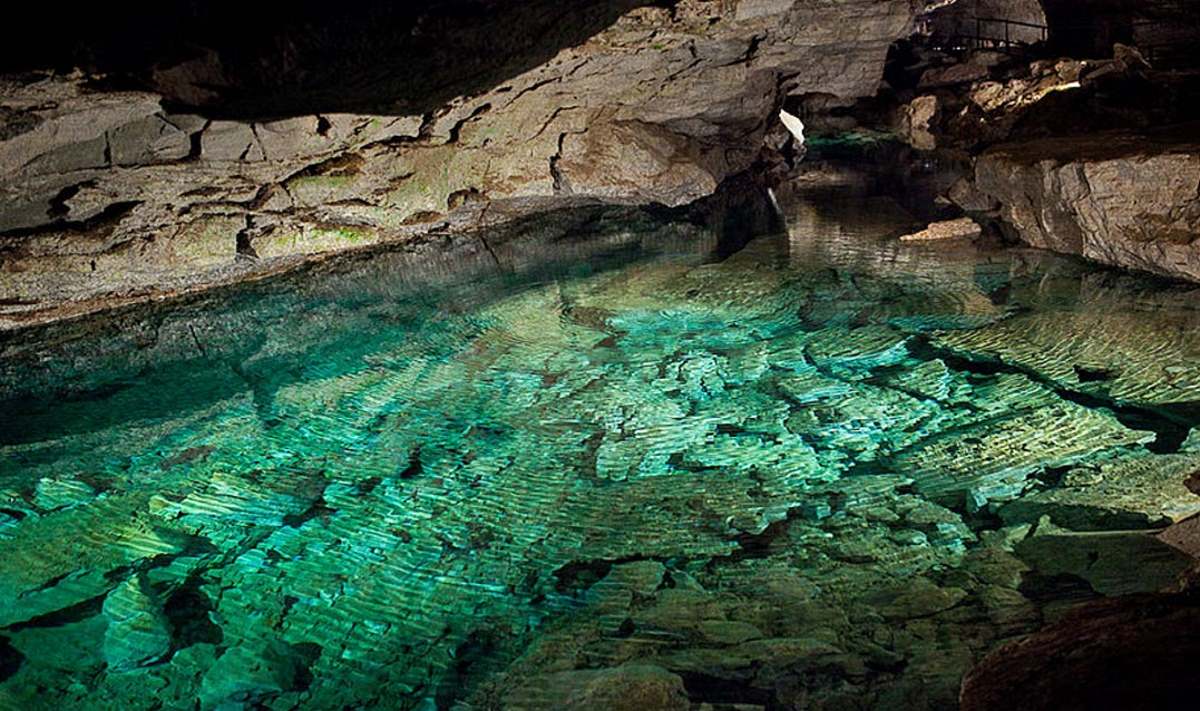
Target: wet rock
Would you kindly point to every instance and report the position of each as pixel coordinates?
(653, 107)
(789, 522)
(1184, 535)
(138, 633)
(631, 687)
(915, 598)
(1151, 639)
(1093, 350)
(231, 141)
(1134, 491)
(53, 494)
(1044, 77)
(43, 572)
(148, 141)
(953, 74)
(1111, 563)
(962, 228)
(681, 609)
(916, 119)
(247, 675)
(1008, 608)
(965, 195)
(632, 162)
(865, 347)
(930, 379)
(763, 659)
(61, 115)
(728, 631)
(995, 460)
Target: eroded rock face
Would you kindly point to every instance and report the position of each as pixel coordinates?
(110, 193)
(1151, 639)
(1120, 199)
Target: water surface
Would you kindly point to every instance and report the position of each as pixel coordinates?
(826, 469)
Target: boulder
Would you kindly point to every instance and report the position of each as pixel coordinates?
(1153, 640)
(961, 228)
(916, 122)
(954, 74)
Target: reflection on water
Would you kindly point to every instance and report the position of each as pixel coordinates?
(828, 469)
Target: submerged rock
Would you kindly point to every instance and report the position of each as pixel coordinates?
(138, 633)
(249, 675)
(1118, 563)
(1133, 491)
(632, 687)
(795, 476)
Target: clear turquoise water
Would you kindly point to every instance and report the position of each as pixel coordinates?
(827, 470)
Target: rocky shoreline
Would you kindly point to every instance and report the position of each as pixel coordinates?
(110, 193)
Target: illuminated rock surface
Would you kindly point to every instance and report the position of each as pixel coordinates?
(828, 470)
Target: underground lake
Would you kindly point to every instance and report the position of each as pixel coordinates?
(600, 355)
(782, 455)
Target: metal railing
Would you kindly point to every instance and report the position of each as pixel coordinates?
(1018, 37)
(1008, 40)
(1008, 36)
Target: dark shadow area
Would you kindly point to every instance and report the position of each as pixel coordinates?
(275, 59)
(10, 659)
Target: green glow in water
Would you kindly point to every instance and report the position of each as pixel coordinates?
(828, 452)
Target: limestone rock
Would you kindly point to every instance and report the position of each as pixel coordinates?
(1120, 199)
(633, 687)
(138, 633)
(964, 73)
(639, 162)
(230, 142)
(961, 228)
(51, 494)
(965, 195)
(103, 191)
(1133, 491)
(151, 140)
(916, 119)
(776, 477)
(918, 597)
(1111, 563)
(249, 674)
(1150, 638)
(63, 115)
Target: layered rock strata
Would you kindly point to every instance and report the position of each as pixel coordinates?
(1120, 199)
(1095, 158)
(109, 193)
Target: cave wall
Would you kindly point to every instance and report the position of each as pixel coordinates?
(106, 192)
(959, 19)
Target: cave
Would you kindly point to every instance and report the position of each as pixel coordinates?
(662, 355)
